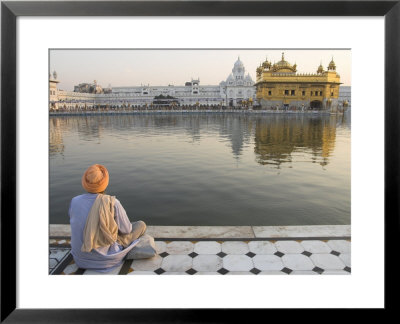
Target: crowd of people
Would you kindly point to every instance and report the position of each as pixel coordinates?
(177, 108)
(148, 108)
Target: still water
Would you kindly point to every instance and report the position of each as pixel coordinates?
(208, 169)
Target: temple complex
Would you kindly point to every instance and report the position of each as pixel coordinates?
(237, 91)
(279, 86)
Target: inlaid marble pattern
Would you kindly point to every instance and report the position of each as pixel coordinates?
(225, 257)
(56, 257)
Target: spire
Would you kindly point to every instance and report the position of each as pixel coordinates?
(332, 65)
(283, 56)
(320, 68)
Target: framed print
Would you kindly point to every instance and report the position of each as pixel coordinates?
(249, 137)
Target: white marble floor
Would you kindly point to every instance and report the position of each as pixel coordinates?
(229, 257)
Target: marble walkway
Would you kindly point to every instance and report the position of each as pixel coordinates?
(228, 256)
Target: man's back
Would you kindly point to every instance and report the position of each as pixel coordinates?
(101, 259)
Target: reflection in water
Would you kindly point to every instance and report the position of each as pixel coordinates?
(209, 169)
(276, 138)
(237, 129)
(56, 144)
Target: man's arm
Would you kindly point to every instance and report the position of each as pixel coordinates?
(121, 218)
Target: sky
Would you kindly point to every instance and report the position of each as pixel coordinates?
(133, 67)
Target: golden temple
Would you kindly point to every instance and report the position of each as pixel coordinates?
(279, 86)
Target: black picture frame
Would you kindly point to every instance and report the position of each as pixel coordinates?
(10, 10)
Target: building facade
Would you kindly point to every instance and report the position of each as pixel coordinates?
(237, 91)
(192, 93)
(53, 91)
(279, 86)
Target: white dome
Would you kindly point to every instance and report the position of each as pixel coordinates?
(248, 78)
(238, 64)
(230, 78)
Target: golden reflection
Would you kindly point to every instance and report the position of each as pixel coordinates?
(279, 139)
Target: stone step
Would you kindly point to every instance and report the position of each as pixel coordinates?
(233, 232)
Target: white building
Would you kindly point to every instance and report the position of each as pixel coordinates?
(238, 87)
(192, 93)
(237, 90)
(53, 90)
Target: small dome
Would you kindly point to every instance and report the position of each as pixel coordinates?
(238, 64)
(266, 64)
(332, 65)
(248, 78)
(230, 78)
(320, 69)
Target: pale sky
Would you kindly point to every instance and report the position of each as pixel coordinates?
(163, 67)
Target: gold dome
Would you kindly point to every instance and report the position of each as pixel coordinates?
(266, 64)
(320, 69)
(332, 65)
(283, 62)
(284, 66)
(259, 70)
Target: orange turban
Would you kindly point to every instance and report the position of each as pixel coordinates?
(95, 179)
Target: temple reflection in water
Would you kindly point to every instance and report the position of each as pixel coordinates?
(279, 138)
(209, 168)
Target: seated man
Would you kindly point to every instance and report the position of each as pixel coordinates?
(101, 233)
